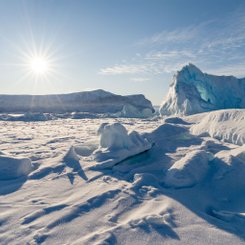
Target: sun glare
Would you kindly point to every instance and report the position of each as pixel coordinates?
(39, 65)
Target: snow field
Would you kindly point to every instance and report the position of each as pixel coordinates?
(185, 188)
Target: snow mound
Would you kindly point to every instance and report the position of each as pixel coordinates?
(11, 167)
(226, 125)
(228, 181)
(189, 170)
(193, 91)
(116, 145)
(232, 157)
(175, 120)
(85, 150)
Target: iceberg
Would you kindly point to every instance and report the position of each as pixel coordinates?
(130, 111)
(97, 101)
(192, 91)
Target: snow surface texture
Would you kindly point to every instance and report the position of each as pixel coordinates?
(192, 91)
(117, 145)
(186, 189)
(97, 101)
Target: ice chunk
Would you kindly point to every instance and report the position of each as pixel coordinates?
(12, 167)
(116, 144)
(131, 111)
(71, 155)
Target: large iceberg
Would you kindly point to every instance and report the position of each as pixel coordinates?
(193, 91)
(97, 101)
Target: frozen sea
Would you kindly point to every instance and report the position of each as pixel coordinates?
(186, 188)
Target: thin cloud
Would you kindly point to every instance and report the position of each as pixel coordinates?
(212, 44)
(179, 35)
(123, 69)
(162, 55)
(139, 79)
(151, 68)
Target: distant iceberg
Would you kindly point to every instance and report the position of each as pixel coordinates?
(97, 101)
(193, 91)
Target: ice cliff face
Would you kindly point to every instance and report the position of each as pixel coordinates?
(97, 101)
(193, 91)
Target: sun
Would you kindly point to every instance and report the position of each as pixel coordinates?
(39, 65)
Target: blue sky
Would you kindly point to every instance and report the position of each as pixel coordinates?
(124, 46)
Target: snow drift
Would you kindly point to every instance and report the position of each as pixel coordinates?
(193, 91)
(116, 145)
(97, 101)
(189, 170)
(225, 125)
(12, 167)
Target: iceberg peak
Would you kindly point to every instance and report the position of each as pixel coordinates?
(191, 68)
